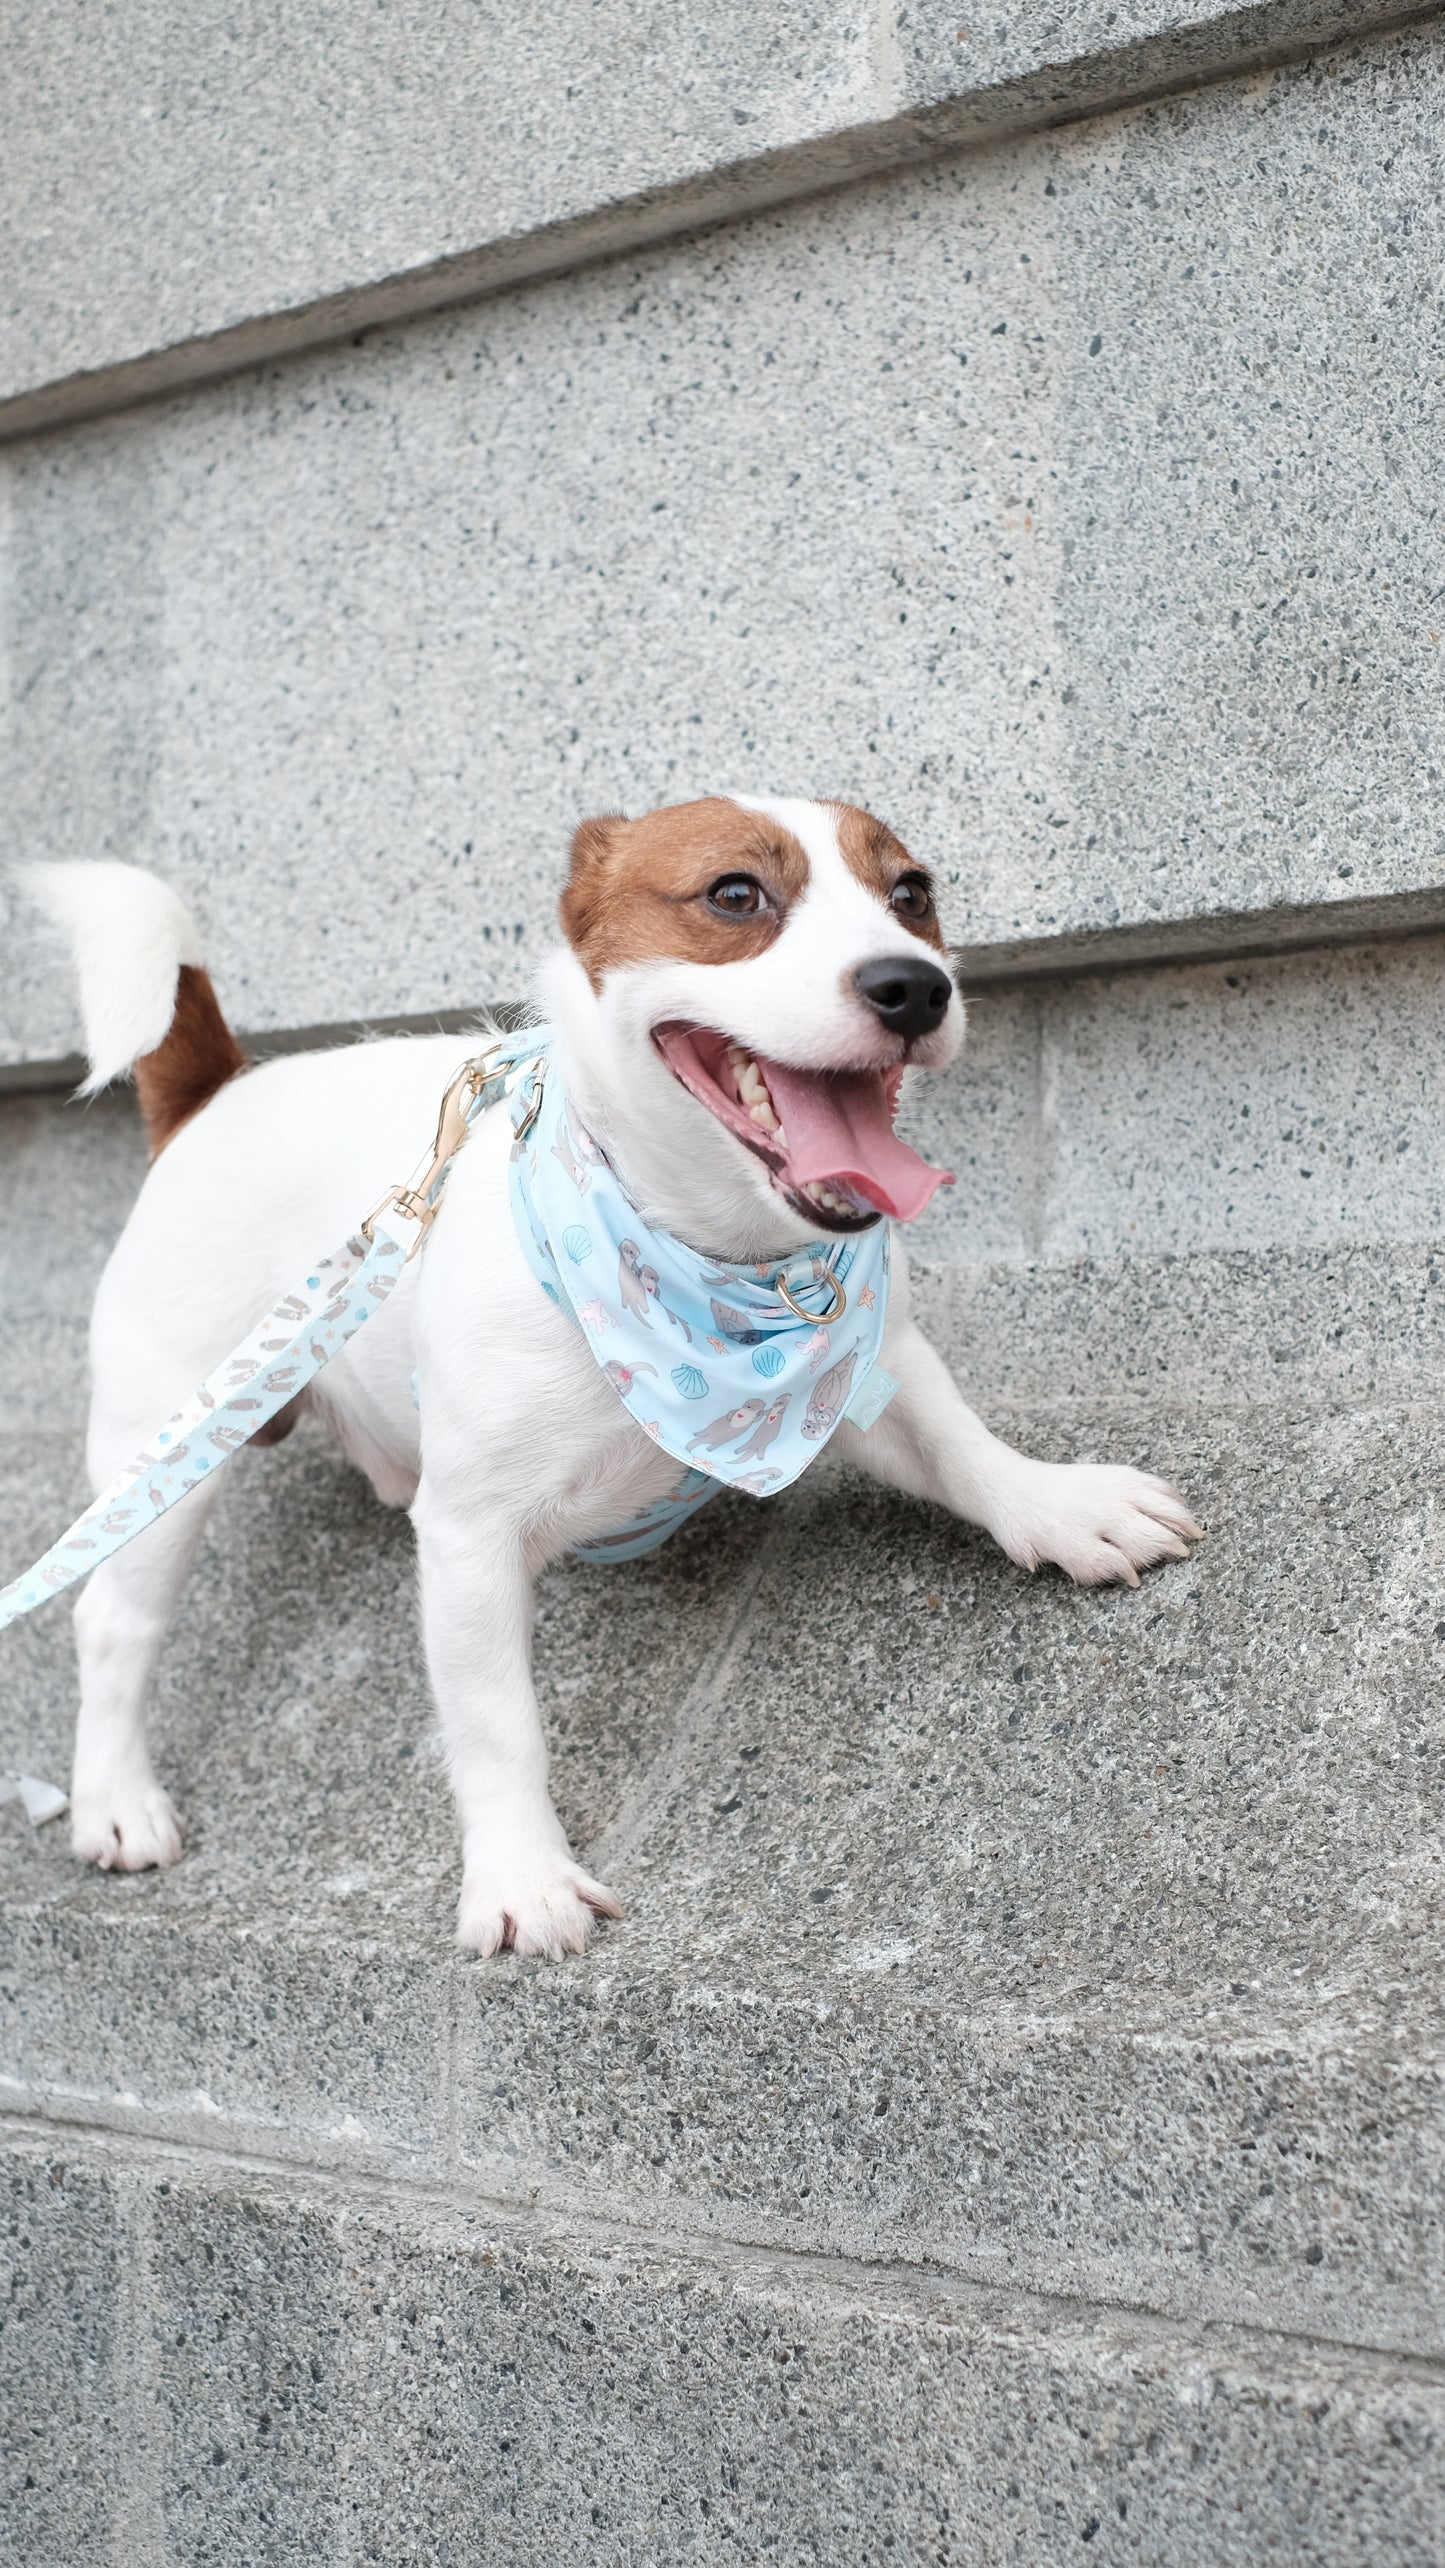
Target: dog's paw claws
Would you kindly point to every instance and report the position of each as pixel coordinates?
(1101, 1522)
(130, 1828)
(543, 1909)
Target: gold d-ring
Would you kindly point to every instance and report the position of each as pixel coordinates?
(820, 1319)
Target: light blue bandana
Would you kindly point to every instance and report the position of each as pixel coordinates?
(708, 1357)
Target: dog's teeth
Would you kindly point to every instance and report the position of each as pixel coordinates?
(752, 1090)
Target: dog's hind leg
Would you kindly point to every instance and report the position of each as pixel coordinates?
(121, 1817)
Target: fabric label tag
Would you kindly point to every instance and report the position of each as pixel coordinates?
(871, 1397)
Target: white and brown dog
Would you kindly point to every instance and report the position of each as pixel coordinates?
(724, 962)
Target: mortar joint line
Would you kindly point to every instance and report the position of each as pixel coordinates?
(601, 2234)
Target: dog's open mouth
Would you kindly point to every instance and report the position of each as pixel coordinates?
(826, 1135)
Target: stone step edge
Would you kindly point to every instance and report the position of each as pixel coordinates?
(1234, 44)
(1171, 2282)
(1216, 936)
(921, 2293)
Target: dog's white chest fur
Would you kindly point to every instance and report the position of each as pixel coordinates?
(512, 1398)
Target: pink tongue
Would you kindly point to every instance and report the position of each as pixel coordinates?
(839, 1129)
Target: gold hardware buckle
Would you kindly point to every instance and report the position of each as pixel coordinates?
(820, 1319)
(418, 1201)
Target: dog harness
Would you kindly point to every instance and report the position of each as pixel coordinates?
(759, 1365)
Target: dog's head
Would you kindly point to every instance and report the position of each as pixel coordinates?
(743, 986)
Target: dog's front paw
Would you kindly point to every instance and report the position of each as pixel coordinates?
(124, 1827)
(535, 1902)
(1098, 1521)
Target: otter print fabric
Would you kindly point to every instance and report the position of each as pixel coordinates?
(707, 1357)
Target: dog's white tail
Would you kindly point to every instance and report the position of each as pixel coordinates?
(145, 995)
(129, 935)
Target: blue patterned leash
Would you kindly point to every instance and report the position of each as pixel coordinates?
(281, 1354)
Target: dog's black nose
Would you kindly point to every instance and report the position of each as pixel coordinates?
(908, 992)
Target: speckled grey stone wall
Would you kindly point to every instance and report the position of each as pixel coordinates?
(1279, 1102)
(1039, 497)
(175, 198)
(402, 2382)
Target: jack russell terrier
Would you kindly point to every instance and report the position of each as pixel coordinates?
(742, 985)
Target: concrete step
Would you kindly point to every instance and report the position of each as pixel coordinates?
(1022, 1992)
(1088, 1941)
(1056, 531)
(300, 2371)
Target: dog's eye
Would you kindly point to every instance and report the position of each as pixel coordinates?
(737, 896)
(913, 896)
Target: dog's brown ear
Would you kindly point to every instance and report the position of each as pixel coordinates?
(594, 840)
(593, 843)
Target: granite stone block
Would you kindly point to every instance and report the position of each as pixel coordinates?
(1054, 513)
(226, 1990)
(316, 174)
(1312, 1328)
(1089, 1941)
(63, 2414)
(1249, 1154)
(68, 1177)
(293, 1978)
(252, 2321)
(1272, 1103)
(306, 160)
(386, 2382)
(1284, 1107)
(1118, 1914)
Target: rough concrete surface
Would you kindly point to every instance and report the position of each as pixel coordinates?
(400, 2379)
(1009, 2121)
(1090, 1940)
(1146, 1884)
(168, 208)
(1223, 1106)
(63, 2296)
(1071, 527)
(68, 1175)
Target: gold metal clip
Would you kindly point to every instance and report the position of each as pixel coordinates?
(420, 1199)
